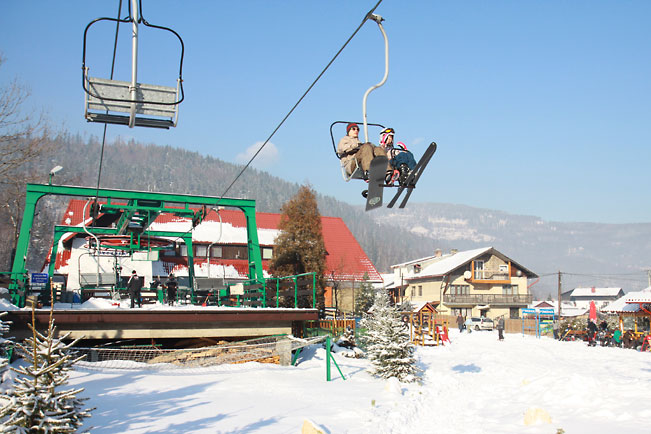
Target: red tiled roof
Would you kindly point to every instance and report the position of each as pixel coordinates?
(346, 258)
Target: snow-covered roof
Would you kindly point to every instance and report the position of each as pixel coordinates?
(448, 263)
(643, 296)
(628, 302)
(595, 292)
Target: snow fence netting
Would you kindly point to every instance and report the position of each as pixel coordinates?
(266, 349)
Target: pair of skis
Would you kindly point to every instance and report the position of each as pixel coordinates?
(376, 183)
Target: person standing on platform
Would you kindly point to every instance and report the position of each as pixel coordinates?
(172, 286)
(133, 285)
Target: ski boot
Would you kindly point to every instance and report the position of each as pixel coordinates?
(404, 174)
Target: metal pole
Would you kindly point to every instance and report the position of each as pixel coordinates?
(559, 295)
(328, 376)
(134, 61)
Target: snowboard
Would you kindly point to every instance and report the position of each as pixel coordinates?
(376, 182)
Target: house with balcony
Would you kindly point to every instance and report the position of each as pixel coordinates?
(478, 282)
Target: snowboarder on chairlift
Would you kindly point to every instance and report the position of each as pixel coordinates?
(354, 153)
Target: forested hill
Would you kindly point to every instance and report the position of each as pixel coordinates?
(137, 166)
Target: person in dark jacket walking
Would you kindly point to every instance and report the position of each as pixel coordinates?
(172, 285)
(592, 333)
(500, 328)
(460, 322)
(133, 285)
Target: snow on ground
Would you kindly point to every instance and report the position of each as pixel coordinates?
(475, 385)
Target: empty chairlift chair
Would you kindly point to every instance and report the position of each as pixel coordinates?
(131, 103)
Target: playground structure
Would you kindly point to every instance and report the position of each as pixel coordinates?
(425, 329)
(542, 323)
(119, 221)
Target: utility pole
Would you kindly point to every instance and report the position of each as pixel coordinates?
(559, 294)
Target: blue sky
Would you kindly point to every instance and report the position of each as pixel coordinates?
(538, 107)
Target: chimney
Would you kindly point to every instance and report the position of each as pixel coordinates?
(438, 253)
(454, 251)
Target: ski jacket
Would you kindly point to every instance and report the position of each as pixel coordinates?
(348, 144)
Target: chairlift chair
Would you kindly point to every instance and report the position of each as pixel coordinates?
(357, 172)
(145, 105)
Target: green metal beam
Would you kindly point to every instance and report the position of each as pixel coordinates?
(34, 192)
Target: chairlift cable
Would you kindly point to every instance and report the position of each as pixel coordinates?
(101, 157)
(366, 18)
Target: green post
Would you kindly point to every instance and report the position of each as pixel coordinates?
(255, 257)
(328, 376)
(18, 271)
(295, 292)
(277, 292)
(187, 239)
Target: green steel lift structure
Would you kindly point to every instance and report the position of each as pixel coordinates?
(132, 212)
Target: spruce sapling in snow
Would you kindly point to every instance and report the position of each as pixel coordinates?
(388, 345)
(37, 402)
(364, 296)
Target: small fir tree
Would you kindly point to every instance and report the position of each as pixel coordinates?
(37, 403)
(299, 246)
(364, 297)
(387, 342)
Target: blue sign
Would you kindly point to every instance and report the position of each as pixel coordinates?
(40, 278)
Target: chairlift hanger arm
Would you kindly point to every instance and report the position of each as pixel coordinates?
(378, 19)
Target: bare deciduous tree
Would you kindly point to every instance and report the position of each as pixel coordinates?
(23, 144)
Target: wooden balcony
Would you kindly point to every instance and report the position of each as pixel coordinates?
(488, 299)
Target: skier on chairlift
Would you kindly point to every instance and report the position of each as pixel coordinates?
(400, 158)
(355, 153)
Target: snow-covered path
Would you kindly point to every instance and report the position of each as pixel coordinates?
(476, 385)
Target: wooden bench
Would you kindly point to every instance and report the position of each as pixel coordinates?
(572, 335)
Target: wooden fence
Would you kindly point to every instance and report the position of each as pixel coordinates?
(335, 326)
(510, 325)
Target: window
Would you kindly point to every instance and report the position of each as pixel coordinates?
(201, 251)
(459, 289)
(267, 253)
(514, 312)
(420, 290)
(184, 250)
(216, 252)
(510, 289)
(479, 269)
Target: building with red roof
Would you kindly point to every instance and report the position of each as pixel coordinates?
(219, 249)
